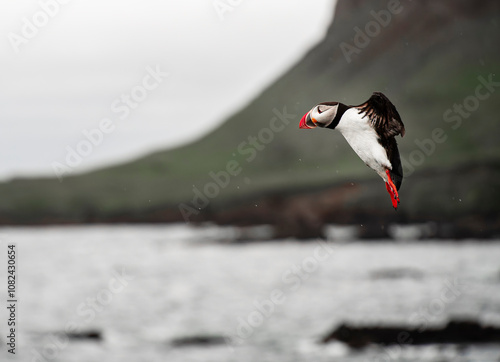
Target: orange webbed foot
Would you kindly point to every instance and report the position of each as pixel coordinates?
(393, 191)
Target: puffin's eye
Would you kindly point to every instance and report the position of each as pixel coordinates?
(320, 110)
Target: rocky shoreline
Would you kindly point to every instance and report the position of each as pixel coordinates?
(437, 204)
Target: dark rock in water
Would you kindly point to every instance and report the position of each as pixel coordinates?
(198, 341)
(86, 335)
(396, 273)
(458, 332)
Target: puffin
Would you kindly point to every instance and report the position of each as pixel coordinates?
(370, 129)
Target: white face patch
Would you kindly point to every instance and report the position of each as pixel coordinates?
(323, 115)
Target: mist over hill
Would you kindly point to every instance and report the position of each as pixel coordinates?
(436, 61)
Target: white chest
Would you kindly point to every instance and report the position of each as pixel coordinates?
(364, 140)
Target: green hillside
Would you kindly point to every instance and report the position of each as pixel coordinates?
(428, 57)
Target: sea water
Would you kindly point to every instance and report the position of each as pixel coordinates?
(144, 288)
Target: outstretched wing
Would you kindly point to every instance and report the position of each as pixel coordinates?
(383, 116)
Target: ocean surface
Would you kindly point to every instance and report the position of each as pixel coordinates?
(146, 288)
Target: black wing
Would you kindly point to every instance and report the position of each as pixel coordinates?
(383, 116)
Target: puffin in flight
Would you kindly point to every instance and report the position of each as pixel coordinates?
(369, 129)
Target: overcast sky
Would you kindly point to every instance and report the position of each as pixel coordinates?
(67, 65)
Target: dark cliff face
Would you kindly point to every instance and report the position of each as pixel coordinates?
(387, 43)
(410, 31)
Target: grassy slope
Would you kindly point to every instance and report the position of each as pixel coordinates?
(426, 60)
